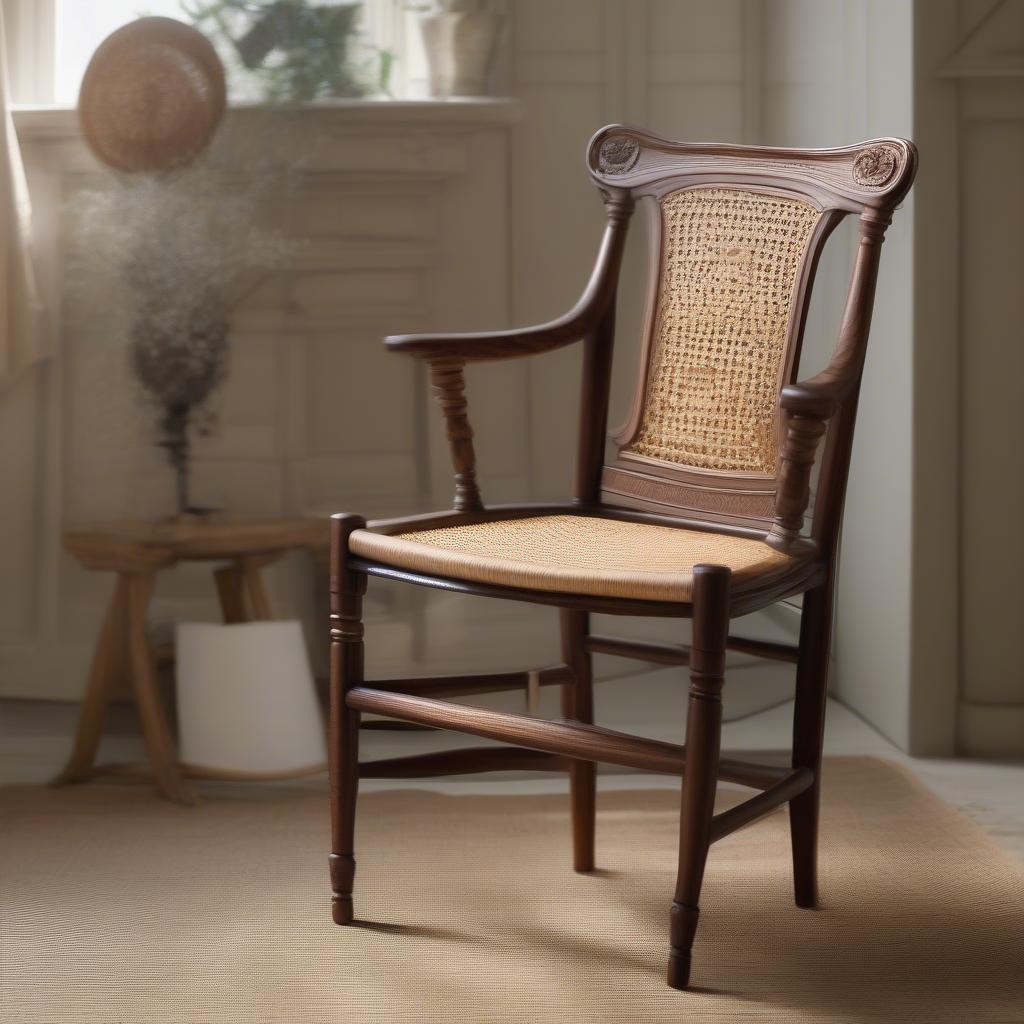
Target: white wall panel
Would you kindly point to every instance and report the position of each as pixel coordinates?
(399, 215)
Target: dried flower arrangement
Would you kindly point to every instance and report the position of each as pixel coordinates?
(177, 252)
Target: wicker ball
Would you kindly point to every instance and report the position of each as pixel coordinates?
(152, 96)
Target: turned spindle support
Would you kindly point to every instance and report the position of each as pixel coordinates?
(803, 434)
(448, 381)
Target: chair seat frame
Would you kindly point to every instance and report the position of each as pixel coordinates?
(627, 163)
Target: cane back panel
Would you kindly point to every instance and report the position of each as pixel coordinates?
(729, 266)
(737, 232)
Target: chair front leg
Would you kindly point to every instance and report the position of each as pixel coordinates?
(347, 589)
(703, 742)
(578, 704)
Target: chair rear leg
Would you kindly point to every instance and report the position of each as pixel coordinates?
(703, 742)
(808, 736)
(578, 704)
(347, 589)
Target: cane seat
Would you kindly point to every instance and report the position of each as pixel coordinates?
(574, 554)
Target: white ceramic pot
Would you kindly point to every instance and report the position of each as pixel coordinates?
(247, 705)
(460, 47)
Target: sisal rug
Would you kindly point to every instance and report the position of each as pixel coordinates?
(118, 907)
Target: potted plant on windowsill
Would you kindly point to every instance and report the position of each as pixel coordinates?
(460, 39)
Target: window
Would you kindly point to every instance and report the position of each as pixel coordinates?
(50, 43)
(81, 25)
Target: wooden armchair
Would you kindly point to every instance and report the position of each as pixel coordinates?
(699, 512)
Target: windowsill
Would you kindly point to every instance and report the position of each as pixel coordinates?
(61, 122)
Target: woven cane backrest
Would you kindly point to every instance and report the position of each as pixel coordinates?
(729, 269)
(737, 232)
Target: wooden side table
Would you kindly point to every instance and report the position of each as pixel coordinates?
(137, 552)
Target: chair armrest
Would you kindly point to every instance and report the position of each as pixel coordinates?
(818, 397)
(488, 345)
(575, 325)
(448, 353)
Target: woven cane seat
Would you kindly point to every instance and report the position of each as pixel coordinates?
(573, 554)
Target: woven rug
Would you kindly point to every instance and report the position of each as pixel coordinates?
(118, 907)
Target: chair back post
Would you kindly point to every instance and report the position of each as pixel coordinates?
(598, 345)
(851, 350)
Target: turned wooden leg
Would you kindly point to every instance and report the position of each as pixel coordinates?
(703, 740)
(162, 751)
(108, 665)
(808, 736)
(347, 590)
(578, 704)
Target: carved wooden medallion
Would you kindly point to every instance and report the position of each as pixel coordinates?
(617, 154)
(874, 165)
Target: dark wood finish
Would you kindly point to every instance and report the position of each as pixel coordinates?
(703, 744)
(815, 420)
(587, 742)
(789, 788)
(809, 736)
(679, 654)
(578, 706)
(575, 325)
(450, 390)
(809, 406)
(566, 738)
(467, 761)
(797, 460)
(494, 682)
(347, 589)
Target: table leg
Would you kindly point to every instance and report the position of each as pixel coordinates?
(162, 751)
(258, 600)
(231, 594)
(108, 664)
(234, 583)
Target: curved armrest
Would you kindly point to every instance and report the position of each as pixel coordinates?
(481, 345)
(818, 397)
(448, 353)
(575, 325)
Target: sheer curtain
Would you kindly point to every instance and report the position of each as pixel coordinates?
(22, 339)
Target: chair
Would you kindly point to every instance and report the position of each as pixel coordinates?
(700, 512)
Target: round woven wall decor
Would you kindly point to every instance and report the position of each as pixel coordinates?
(152, 96)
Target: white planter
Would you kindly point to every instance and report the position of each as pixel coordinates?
(247, 705)
(460, 47)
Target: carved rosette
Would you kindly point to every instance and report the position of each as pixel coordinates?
(875, 165)
(617, 154)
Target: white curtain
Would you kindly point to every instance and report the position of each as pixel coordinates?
(22, 338)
